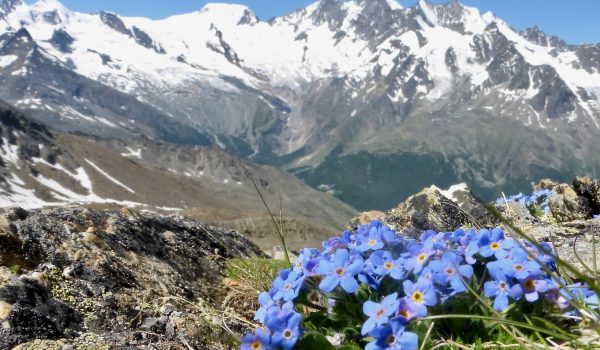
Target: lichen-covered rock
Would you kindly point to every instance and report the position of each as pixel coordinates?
(366, 217)
(70, 269)
(31, 312)
(590, 189)
(569, 225)
(432, 210)
(565, 205)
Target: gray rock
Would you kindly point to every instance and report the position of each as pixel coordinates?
(431, 210)
(590, 189)
(35, 314)
(566, 205)
(130, 261)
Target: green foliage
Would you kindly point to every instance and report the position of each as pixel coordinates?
(257, 273)
(15, 269)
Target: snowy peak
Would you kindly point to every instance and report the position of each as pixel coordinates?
(537, 36)
(332, 12)
(394, 5)
(8, 6)
(229, 14)
(20, 42)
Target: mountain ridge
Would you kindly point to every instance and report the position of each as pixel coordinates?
(356, 76)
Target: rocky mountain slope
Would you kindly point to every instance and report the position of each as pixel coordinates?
(336, 92)
(40, 167)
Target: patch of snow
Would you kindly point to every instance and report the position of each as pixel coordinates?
(18, 195)
(106, 175)
(450, 193)
(132, 153)
(10, 153)
(106, 122)
(394, 5)
(7, 60)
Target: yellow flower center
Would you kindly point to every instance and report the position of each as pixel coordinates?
(518, 267)
(339, 271)
(450, 271)
(502, 286)
(495, 246)
(404, 313)
(287, 286)
(529, 284)
(388, 265)
(255, 345)
(421, 257)
(372, 242)
(417, 297)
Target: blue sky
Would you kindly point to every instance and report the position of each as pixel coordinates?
(576, 21)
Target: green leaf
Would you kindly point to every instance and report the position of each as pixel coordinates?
(350, 347)
(312, 341)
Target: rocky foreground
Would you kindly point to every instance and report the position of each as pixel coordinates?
(104, 279)
(76, 278)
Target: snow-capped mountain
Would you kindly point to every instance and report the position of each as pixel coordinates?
(322, 91)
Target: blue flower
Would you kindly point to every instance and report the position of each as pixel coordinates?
(491, 243)
(286, 332)
(532, 287)
(287, 285)
(390, 237)
(335, 243)
(435, 241)
(544, 255)
(379, 313)
(419, 295)
(417, 257)
(501, 289)
(259, 340)
(383, 264)
(340, 271)
(369, 240)
(307, 262)
(519, 265)
(406, 311)
(393, 337)
(266, 302)
(279, 313)
(448, 270)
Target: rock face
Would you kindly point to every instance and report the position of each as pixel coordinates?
(571, 224)
(590, 189)
(78, 273)
(433, 209)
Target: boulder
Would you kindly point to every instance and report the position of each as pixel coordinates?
(65, 270)
(590, 189)
(433, 209)
(565, 205)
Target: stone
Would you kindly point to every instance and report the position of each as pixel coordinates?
(590, 189)
(366, 217)
(566, 205)
(5, 309)
(101, 284)
(431, 210)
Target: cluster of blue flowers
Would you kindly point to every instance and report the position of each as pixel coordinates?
(536, 198)
(406, 279)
